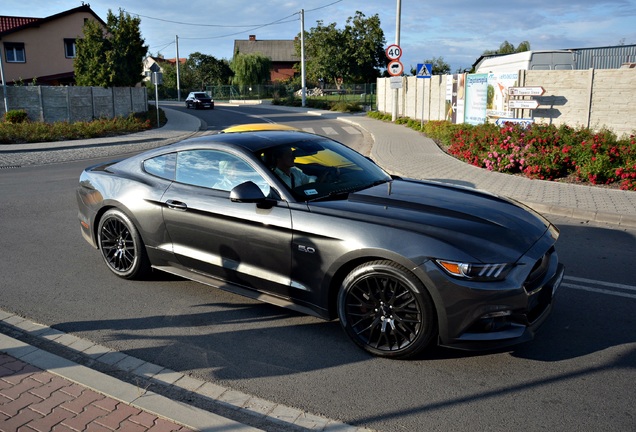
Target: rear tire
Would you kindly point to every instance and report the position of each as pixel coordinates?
(121, 246)
(386, 310)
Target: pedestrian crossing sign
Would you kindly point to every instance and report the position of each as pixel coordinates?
(424, 70)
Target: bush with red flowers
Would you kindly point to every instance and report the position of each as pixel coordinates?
(539, 151)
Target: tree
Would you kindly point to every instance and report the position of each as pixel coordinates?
(365, 42)
(440, 67)
(207, 70)
(113, 58)
(250, 69)
(508, 48)
(91, 57)
(354, 54)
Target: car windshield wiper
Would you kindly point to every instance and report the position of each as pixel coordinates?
(377, 182)
(346, 191)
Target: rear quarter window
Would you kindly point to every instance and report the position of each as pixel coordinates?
(162, 166)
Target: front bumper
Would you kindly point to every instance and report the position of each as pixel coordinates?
(209, 105)
(518, 327)
(478, 315)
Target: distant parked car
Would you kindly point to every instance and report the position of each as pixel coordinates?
(198, 100)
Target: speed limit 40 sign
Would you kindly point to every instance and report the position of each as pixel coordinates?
(393, 52)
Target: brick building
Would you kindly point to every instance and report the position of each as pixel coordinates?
(282, 53)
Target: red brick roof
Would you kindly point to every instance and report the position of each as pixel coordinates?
(11, 22)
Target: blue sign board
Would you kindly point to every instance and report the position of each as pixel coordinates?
(424, 70)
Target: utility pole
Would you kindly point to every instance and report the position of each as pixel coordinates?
(302, 58)
(397, 42)
(178, 61)
(4, 85)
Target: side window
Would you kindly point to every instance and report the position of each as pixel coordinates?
(216, 169)
(69, 48)
(162, 166)
(14, 52)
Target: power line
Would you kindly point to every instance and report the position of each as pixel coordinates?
(163, 46)
(322, 7)
(213, 25)
(237, 33)
(252, 26)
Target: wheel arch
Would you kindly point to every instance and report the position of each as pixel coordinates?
(110, 206)
(423, 334)
(347, 265)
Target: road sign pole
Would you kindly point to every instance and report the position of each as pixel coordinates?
(397, 42)
(423, 99)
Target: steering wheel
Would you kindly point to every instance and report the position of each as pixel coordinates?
(330, 175)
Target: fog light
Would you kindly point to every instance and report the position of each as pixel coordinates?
(495, 321)
(497, 314)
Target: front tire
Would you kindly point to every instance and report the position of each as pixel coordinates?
(386, 310)
(121, 246)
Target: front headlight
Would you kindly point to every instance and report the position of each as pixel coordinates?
(476, 272)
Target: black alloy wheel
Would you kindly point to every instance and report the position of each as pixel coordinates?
(121, 246)
(386, 310)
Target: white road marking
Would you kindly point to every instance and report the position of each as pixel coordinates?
(351, 130)
(600, 287)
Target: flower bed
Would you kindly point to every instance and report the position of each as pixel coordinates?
(540, 151)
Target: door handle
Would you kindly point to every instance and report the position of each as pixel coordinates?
(176, 205)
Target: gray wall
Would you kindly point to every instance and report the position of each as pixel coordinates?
(51, 104)
(593, 98)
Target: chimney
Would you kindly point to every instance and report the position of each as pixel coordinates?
(252, 37)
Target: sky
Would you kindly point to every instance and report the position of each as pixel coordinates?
(459, 31)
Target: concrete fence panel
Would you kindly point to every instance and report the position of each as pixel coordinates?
(80, 104)
(53, 104)
(593, 98)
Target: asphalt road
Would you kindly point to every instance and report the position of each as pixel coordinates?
(578, 375)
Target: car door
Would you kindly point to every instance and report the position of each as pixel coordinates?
(232, 241)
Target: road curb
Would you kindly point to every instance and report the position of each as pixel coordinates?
(138, 396)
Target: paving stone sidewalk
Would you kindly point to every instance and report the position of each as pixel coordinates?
(35, 400)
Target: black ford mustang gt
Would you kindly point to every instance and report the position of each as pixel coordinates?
(402, 263)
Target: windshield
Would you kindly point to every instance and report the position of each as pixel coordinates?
(320, 168)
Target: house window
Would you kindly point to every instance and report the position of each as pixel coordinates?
(14, 52)
(69, 48)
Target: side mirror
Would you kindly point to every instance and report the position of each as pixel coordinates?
(247, 192)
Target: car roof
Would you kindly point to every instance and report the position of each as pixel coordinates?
(253, 141)
(250, 142)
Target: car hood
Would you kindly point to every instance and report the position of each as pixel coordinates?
(488, 227)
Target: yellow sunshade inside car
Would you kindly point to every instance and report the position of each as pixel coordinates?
(251, 127)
